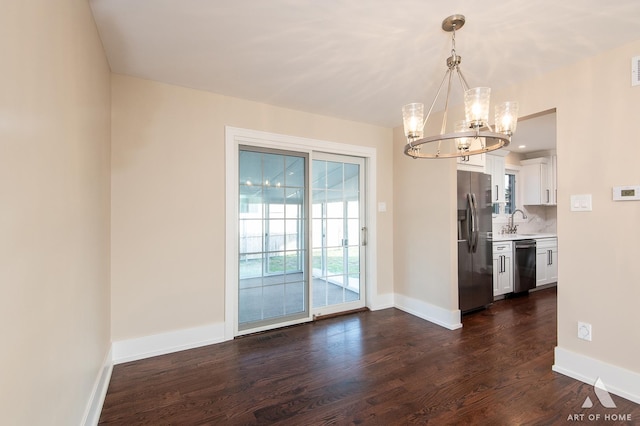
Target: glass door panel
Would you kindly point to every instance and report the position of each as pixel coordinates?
(273, 285)
(337, 219)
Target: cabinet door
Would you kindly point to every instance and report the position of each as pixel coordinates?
(545, 187)
(496, 275)
(553, 179)
(537, 182)
(495, 167)
(552, 268)
(541, 267)
(531, 184)
(506, 284)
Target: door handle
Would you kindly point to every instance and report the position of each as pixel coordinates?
(474, 212)
(548, 197)
(470, 222)
(497, 193)
(364, 235)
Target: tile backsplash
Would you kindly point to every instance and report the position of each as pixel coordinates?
(540, 219)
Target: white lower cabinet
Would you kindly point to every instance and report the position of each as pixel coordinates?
(502, 268)
(546, 261)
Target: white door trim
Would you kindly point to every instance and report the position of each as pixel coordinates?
(234, 137)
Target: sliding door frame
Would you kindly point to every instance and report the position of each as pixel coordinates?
(234, 137)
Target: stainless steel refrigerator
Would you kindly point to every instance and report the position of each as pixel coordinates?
(475, 266)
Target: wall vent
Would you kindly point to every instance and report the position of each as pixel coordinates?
(635, 71)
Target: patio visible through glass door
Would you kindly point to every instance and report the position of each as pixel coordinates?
(337, 208)
(273, 254)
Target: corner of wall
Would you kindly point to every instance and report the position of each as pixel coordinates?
(450, 319)
(92, 412)
(165, 343)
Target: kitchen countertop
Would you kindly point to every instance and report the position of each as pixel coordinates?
(527, 236)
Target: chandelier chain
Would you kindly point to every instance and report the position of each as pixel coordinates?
(453, 41)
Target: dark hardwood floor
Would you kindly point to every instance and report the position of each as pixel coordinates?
(380, 368)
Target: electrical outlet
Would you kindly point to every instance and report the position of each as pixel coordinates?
(584, 331)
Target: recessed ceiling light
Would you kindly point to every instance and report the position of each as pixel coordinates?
(522, 146)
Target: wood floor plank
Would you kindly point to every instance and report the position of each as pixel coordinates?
(384, 367)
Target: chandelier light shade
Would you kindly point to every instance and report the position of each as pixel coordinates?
(462, 143)
(470, 136)
(413, 116)
(476, 106)
(506, 117)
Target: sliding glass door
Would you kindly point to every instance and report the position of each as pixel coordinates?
(276, 284)
(273, 286)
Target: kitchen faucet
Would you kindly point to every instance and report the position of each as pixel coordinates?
(511, 229)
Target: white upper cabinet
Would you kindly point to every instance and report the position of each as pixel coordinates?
(553, 175)
(538, 178)
(495, 166)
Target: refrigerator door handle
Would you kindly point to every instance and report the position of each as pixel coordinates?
(470, 222)
(474, 212)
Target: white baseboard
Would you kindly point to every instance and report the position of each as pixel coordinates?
(382, 301)
(98, 393)
(164, 343)
(429, 312)
(618, 381)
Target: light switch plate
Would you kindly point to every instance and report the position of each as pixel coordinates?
(635, 71)
(581, 203)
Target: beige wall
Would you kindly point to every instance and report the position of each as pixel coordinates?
(425, 251)
(168, 192)
(54, 219)
(597, 149)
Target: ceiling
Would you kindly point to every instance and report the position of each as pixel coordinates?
(357, 60)
(533, 134)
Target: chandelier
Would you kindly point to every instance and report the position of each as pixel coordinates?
(470, 136)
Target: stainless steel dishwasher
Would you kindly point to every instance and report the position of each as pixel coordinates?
(524, 274)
